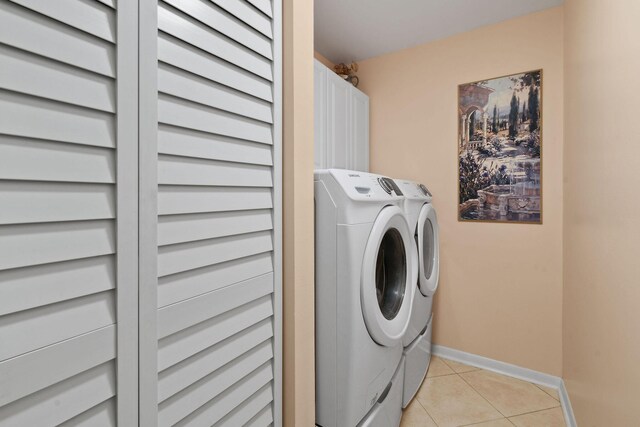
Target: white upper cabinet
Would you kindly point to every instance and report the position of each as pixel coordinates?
(359, 130)
(320, 114)
(338, 122)
(341, 122)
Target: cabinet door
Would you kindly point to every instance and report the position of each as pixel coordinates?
(359, 142)
(68, 222)
(211, 202)
(338, 118)
(320, 114)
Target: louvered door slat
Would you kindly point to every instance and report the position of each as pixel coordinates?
(36, 201)
(31, 287)
(64, 400)
(188, 256)
(189, 171)
(38, 34)
(35, 160)
(208, 39)
(182, 113)
(26, 245)
(172, 50)
(205, 12)
(33, 329)
(190, 143)
(244, 11)
(181, 375)
(188, 403)
(244, 412)
(110, 3)
(263, 6)
(30, 373)
(86, 15)
(182, 286)
(216, 409)
(188, 342)
(103, 415)
(27, 116)
(174, 81)
(34, 75)
(189, 228)
(264, 418)
(176, 199)
(181, 315)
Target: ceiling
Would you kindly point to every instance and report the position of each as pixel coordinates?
(351, 30)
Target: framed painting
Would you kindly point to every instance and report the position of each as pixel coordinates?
(500, 149)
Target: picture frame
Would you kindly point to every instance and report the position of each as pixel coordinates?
(500, 149)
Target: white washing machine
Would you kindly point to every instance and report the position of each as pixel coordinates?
(364, 293)
(424, 228)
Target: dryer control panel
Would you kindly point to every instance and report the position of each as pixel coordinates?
(413, 190)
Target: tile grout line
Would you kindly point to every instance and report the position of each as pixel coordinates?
(524, 413)
(516, 415)
(493, 419)
(504, 417)
(534, 378)
(539, 410)
(453, 372)
(420, 403)
(473, 368)
(445, 364)
(443, 375)
(480, 394)
(477, 392)
(488, 421)
(428, 414)
(556, 398)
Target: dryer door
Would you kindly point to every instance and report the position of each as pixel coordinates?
(428, 250)
(386, 293)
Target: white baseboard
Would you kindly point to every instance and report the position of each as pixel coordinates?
(569, 418)
(512, 371)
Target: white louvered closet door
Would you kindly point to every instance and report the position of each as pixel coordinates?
(210, 241)
(68, 219)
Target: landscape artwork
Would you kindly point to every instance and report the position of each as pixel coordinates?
(499, 149)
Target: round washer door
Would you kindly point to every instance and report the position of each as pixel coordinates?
(428, 250)
(386, 293)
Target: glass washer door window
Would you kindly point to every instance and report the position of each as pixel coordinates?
(391, 273)
(428, 247)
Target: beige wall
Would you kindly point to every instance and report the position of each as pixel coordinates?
(298, 299)
(500, 290)
(327, 63)
(601, 337)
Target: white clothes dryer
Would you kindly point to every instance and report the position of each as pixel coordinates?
(364, 294)
(423, 222)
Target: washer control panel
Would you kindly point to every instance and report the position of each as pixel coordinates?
(389, 186)
(366, 186)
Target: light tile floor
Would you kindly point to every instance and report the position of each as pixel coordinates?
(454, 394)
